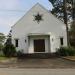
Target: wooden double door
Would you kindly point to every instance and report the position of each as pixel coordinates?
(39, 45)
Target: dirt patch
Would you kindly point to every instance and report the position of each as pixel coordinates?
(71, 58)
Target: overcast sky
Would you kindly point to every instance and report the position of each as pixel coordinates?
(12, 10)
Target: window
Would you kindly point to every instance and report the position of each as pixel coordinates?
(61, 40)
(16, 42)
(25, 41)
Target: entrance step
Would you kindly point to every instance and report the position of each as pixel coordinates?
(38, 55)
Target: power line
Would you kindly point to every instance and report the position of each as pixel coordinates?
(1, 10)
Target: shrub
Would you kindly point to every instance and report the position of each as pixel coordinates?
(20, 53)
(9, 50)
(66, 51)
(1, 47)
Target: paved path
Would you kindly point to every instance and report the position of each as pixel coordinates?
(4, 71)
(52, 63)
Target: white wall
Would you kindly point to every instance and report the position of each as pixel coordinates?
(50, 24)
(47, 45)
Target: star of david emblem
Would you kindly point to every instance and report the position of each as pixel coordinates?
(38, 18)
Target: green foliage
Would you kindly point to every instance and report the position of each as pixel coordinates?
(1, 47)
(63, 10)
(1, 50)
(52, 1)
(60, 8)
(9, 50)
(66, 51)
(72, 34)
(8, 41)
(2, 38)
(20, 53)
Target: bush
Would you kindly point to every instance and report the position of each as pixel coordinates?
(66, 51)
(9, 50)
(1, 47)
(20, 53)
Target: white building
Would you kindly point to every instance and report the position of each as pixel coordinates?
(38, 31)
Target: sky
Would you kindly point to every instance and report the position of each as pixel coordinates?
(12, 10)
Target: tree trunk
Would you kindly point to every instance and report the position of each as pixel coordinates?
(65, 20)
(73, 5)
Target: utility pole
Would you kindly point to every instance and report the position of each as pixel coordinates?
(65, 19)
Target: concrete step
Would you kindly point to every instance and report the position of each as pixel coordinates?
(38, 55)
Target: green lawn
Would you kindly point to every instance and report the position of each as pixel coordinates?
(3, 58)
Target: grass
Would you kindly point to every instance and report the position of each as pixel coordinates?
(7, 60)
(3, 58)
(70, 58)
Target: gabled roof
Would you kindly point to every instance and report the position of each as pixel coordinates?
(37, 5)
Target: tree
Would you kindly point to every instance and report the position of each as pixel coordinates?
(9, 39)
(58, 8)
(63, 10)
(72, 34)
(73, 5)
(9, 49)
(2, 40)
